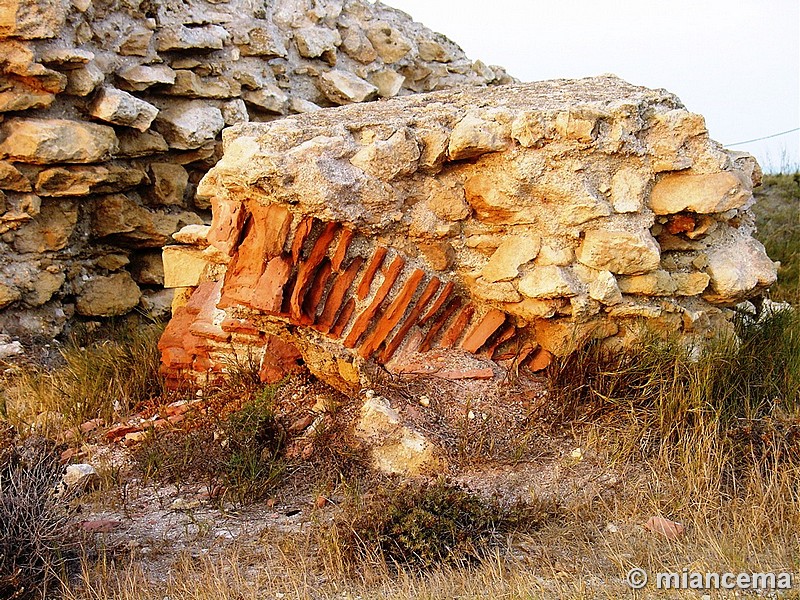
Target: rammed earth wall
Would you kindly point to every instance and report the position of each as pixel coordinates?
(111, 113)
(462, 234)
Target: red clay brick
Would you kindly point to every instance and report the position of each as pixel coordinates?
(427, 294)
(394, 313)
(268, 292)
(303, 229)
(369, 274)
(482, 330)
(239, 326)
(363, 320)
(316, 292)
(343, 319)
(439, 303)
(452, 306)
(506, 333)
(307, 269)
(541, 360)
(337, 293)
(457, 327)
(345, 238)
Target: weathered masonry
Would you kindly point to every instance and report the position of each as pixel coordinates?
(460, 234)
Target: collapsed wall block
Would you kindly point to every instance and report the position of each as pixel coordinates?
(462, 234)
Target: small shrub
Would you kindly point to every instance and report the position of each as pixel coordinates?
(37, 541)
(242, 452)
(432, 524)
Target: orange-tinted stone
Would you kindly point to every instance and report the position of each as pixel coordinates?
(394, 313)
(369, 273)
(240, 326)
(681, 224)
(210, 331)
(280, 358)
(457, 327)
(413, 317)
(336, 295)
(363, 320)
(227, 220)
(482, 330)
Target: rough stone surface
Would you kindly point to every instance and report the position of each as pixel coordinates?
(137, 97)
(108, 296)
(421, 230)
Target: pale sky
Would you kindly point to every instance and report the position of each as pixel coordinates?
(736, 62)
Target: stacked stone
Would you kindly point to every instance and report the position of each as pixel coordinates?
(112, 113)
(503, 225)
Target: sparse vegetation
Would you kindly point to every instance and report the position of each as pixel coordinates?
(429, 525)
(709, 439)
(38, 544)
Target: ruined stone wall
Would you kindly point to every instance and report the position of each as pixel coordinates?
(111, 112)
(464, 234)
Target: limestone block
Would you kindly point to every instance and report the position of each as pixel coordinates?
(193, 235)
(49, 230)
(66, 58)
(619, 251)
(388, 82)
(264, 39)
(43, 141)
(147, 268)
(8, 295)
(188, 266)
(207, 37)
(690, 284)
(657, 283)
(169, 183)
(32, 19)
(11, 179)
(391, 158)
(133, 144)
(738, 269)
(189, 125)
(108, 296)
(313, 42)
(18, 97)
(136, 42)
(432, 50)
(700, 193)
(548, 282)
(628, 188)
(390, 44)
(343, 87)
(189, 84)
(604, 289)
(121, 108)
(395, 448)
(42, 287)
(512, 253)
(83, 81)
(118, 219)
(474, 135)
(141, 77)
(234, 111)
(270, 98)
(82, 181)
(357, 46)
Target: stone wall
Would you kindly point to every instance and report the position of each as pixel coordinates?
(111, 113)
(464, 234)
